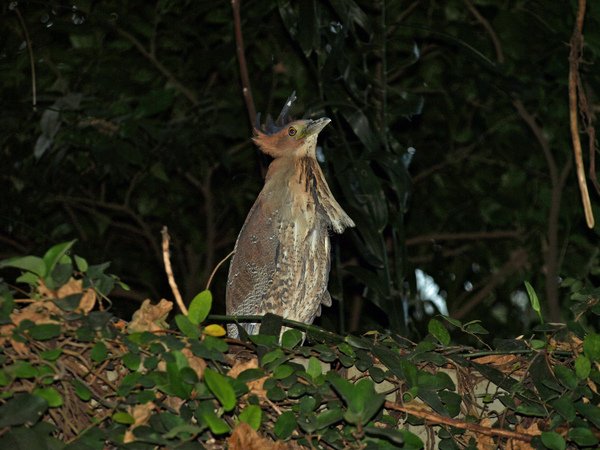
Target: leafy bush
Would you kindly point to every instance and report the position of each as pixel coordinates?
(73, 376)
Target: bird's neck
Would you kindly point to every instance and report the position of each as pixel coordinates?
(299, 185)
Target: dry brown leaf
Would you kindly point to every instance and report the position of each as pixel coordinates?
(38, 312)
(255, 386)
(244, 437)
(570, 343)
(592, 386)
(483, 442)
(44, 290)
(241, 365)
(497, 360)
(141, 414)
(150, 317)
(73, 286)
(515, 444)
(175, 403)
(196, 363)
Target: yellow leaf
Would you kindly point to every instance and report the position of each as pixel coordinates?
(214, 330)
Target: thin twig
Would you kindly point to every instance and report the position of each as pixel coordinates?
(169, 270)
(188, 93)
(31, 60)
(574, 58)
(493, 36)
(239, 45)
(212, 274)
(476, 428)
(517, 261)
(538, 133)
(466, 236)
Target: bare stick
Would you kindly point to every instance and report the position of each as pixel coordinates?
(169, 270)
(574, 58)
(493, 36)
(476, 428)
(212, 274)
(466, 236)
(31, 61)
(239, 45)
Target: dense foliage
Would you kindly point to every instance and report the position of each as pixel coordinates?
(75, 377)
(139, 122)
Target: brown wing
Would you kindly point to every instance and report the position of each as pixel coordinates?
(254, 262)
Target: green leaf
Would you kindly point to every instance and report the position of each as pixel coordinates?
(314, 367)
(123, 418)
(186, 326)
(51, 395)
(252, 415)
(329, 417)
(221, 387)
(210, 418)
(475, 328)
(439, 331)
(23, 409)
(531, 410)
(200, 307)
(553, 440)
(583, 366)
(565, 408)
(566, 376)
(591, 346)
(583, 436)
(99, 352)
(51, 355)
(31, 264)
(366, 402)
(23, 369)
(272, 356)
(362, 400)
(82, 390)
(391, 435)
(45, 331)
(82, 264)
(590, 412)
(346, 349)
(534, 300)
(132, 360)
(285, 425)
(5, 378)
(291, 338)
(283, 371)
(53, 256)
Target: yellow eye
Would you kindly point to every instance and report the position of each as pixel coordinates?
(292, 131)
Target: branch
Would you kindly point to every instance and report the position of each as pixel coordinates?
(188, 93)
(31, 61)
(493, 36)
(212, 274)
(539, 135)
(144, 228)
(239, 45)
(466, 236)
(517, 260)
(476, 428)
(574, 58)
(169, 271)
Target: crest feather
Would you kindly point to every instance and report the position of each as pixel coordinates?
(270, 127)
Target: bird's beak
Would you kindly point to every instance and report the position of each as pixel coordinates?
(315, 126)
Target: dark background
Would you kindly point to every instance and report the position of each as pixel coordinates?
(140, 122)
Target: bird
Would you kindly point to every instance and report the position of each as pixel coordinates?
(281, 258)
